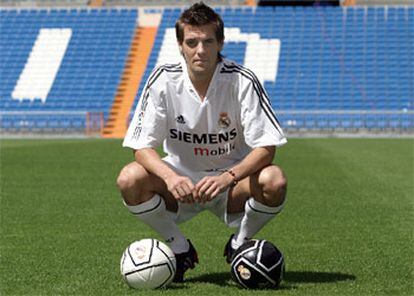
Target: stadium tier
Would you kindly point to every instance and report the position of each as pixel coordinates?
(61, 61)
(323, 67)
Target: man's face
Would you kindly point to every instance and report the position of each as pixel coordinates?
(200, 49)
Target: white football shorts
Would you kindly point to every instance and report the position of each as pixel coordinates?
(218, 206)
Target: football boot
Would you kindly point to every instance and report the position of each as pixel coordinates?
(185, 261)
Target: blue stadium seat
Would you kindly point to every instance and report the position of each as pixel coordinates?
(351, 59)
(80, 72)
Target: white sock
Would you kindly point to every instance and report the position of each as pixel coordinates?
(256, 215)
(154, 213)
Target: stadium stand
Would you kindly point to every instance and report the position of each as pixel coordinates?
(43, 3)
(339, 68)
(384, 2)
(95, 46)
(325, 68)
(169, 3)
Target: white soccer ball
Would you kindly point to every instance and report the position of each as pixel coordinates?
(148, 264)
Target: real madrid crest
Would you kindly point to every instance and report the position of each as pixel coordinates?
(224, 120)
(140, 252)
(244, 272)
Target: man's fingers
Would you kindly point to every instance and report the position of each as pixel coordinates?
(204, 186)
(188, 187)
(215, 193)
(180, 191)
(176, 195)
(205, 190)
(183, 189)
(211, 192)
(195, 194)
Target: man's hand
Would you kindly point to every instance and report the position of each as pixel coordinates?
(181, 188)
(209, 187)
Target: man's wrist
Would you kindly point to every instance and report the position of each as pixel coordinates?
(234, 179)
(168, 175)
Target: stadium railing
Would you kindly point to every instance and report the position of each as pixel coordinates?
(347, 120)
(51, 122)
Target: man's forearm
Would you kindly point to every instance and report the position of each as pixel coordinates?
(153, 163)
(181, 187)
(257, 159)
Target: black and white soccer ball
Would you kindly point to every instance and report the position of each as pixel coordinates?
(148, 264)
(258, 264)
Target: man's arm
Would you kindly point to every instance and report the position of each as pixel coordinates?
(257, 159)
(209, 187)
(180, 187)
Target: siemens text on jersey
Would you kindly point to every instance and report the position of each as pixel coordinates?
(203, 138)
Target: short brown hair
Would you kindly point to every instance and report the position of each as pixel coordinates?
(199, 14)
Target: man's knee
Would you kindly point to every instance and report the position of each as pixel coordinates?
(274, 185)
(130, 179)
(137, 185)
(126, 178)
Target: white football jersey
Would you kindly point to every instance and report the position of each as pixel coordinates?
(234, 117)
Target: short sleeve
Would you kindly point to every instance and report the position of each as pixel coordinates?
(148, 126)
(260, 125)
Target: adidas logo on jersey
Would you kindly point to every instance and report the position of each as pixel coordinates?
(180, 119)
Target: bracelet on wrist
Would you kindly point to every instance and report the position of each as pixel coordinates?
(235, 181)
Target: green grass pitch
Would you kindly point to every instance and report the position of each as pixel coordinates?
(347, 228)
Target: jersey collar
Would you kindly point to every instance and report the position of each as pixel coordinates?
(189, 85)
